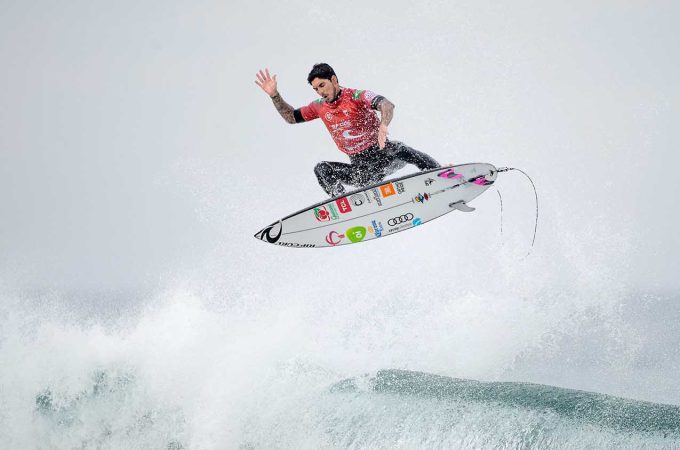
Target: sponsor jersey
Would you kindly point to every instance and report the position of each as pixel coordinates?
(350, 119)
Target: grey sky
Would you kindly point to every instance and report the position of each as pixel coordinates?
(135, 147)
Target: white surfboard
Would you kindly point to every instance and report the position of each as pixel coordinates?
(382, 209)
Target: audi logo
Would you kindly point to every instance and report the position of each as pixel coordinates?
(401, 219)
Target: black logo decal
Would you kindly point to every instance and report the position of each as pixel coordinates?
(357, 199)
(266, 233)
(401, 219)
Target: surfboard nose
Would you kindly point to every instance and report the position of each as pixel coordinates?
(271, 233)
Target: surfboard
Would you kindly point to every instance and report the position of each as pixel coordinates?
(382, 209)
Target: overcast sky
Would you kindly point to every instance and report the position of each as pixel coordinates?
(135, 146)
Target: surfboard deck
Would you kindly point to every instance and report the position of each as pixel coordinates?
(382, 209)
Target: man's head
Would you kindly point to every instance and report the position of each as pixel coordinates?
(324, 81)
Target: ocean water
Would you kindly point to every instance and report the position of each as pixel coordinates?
(179, 370)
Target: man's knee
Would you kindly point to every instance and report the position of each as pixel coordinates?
(322, 169)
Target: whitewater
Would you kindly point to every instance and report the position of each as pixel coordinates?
(381, 352)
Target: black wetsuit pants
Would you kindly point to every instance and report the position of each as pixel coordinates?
(369, 167)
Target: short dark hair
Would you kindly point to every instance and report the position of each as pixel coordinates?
(321, 70)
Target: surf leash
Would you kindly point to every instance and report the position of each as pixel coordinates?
(507, 169)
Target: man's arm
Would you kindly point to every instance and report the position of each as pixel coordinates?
(386, 109)
(286, 111)
(268, 84)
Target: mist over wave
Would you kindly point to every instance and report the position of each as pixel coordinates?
(199, 367)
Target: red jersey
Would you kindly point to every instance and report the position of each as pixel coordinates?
(350, 119)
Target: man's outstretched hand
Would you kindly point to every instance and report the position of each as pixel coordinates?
(266, 82)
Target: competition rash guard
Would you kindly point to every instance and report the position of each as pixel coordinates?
(350, 119)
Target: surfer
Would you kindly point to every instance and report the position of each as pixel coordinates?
(354, 126)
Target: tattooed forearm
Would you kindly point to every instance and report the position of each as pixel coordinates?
(386, 109)
(283, 108)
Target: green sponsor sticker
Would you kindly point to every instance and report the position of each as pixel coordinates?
(334, 211)
(356, 234)
(356, 94)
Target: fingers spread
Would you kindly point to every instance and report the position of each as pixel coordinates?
(263, 76)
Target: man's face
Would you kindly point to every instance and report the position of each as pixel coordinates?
(327, 89)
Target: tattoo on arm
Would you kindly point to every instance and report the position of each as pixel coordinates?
(386, 109)
(283, 108)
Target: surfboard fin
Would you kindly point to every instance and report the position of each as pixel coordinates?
(461, 206)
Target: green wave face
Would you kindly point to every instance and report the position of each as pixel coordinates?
(541, 416)
(391, 409)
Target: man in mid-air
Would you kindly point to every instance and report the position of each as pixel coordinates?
(354, 126)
